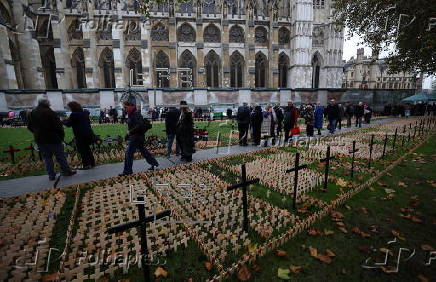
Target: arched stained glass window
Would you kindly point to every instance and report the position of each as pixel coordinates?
(187, 60)
(106, 65)
(162, 61)
(212, 65)
(261, 70)
(236, 34)
(78, 64)
(134, 62)
(186, 33)
(212, 34)
(236, 69)
(283, 70)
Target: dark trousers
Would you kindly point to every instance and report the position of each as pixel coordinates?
(287, 129)
(367, 119)
(309, 130)
(339, 123)
(170, 140)
(348, 121)
(137, 143)
(57, 150)
(332, 125)
(279, 129)
(256, 134)
(84, 149)
(359, 121)
(243, 133)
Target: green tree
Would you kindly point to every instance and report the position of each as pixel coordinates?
(409, 25)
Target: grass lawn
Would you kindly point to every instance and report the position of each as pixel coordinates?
(407, 214)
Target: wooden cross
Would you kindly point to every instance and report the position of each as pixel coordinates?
(395, 138)
(141, 223)
(371, 144)
(11, 150)
(384, 145)
(327, 165)
(244, 184)
(414, 133)
(296, 168)
(353, 151)
(408, 139)
(32, 151)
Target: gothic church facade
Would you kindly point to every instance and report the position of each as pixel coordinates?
(78, 44)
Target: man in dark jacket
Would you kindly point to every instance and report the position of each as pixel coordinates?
(349, 113)
(136, 137)
(332, 115)
(280, 117)
(243, 119)
(185, 132)
(171, 119)
(49, 134)
(256, 124)
(290, 119)
(359, 111)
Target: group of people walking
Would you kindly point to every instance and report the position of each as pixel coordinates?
(335, 114)
(48, 131)
(276, 121)
(111, 115)
(49, 134)
(271, 122)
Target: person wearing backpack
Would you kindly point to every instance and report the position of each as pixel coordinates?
(137, 127)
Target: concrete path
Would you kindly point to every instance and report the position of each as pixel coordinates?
(18, 186)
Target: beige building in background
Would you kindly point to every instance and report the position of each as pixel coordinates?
(372, 73)
(77, 44)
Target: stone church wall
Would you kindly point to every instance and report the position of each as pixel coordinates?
(233, 43)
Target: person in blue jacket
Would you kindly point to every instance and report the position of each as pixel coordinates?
(319, 118)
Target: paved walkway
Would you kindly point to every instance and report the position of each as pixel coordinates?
(18, 186)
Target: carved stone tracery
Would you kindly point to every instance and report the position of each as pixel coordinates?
(284, 35)
(260, 35)
(212, 34)
(159, 32)
(236, 34)
(186, 33)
